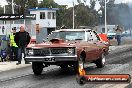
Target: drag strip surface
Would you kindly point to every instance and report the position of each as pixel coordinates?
(119, 61)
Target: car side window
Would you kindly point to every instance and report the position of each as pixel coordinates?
(94, 37)
(89, 36)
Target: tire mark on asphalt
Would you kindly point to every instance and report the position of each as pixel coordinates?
(21, 75)
(120, 51)
(121, 58)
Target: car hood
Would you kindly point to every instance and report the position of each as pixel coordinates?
(54, 43)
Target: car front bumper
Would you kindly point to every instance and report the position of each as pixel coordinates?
(50, 58)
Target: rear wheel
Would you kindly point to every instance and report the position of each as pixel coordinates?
(37, 68)
(100, 62)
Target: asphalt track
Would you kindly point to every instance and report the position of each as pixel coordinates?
(119, 61)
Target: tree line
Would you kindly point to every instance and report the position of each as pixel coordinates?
(84, 15)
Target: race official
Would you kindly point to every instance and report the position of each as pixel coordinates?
(13, 45)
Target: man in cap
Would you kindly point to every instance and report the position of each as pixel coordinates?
(13, 45)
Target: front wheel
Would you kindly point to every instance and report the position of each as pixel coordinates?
(100, 62)
(37, 68)
(79, 64)
(76, 67)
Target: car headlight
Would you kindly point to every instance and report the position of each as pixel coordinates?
(71, 51)
(29, 52)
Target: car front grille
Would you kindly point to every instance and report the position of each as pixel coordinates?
(50, 51)
(59, 51)
(41, 52)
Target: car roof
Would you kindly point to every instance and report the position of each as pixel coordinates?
(63, 30)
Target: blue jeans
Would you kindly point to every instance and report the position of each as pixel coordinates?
(20, 51)
(13, 53)
(118, 37)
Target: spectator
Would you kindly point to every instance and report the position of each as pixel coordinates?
(118, 35)
(13, 45)
(3, 29)
(22, 39)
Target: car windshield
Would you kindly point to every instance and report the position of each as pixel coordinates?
(68, 35)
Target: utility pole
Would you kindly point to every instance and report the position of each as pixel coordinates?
(4, 13)
(13, 8)
(106, 1)
(105, 19)
(5, 23)
(73, 15)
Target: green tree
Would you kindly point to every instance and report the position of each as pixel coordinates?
(21, 6)
(48, 4)
(79, 1)
(61, 14)
(92, 4)
(110, 4)
(83, 16)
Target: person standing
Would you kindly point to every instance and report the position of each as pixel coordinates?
(3, 29)
(118, 35)
(13, 45)
(22, 39)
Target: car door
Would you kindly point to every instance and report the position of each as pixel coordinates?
(96, 44)
(90, 48)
